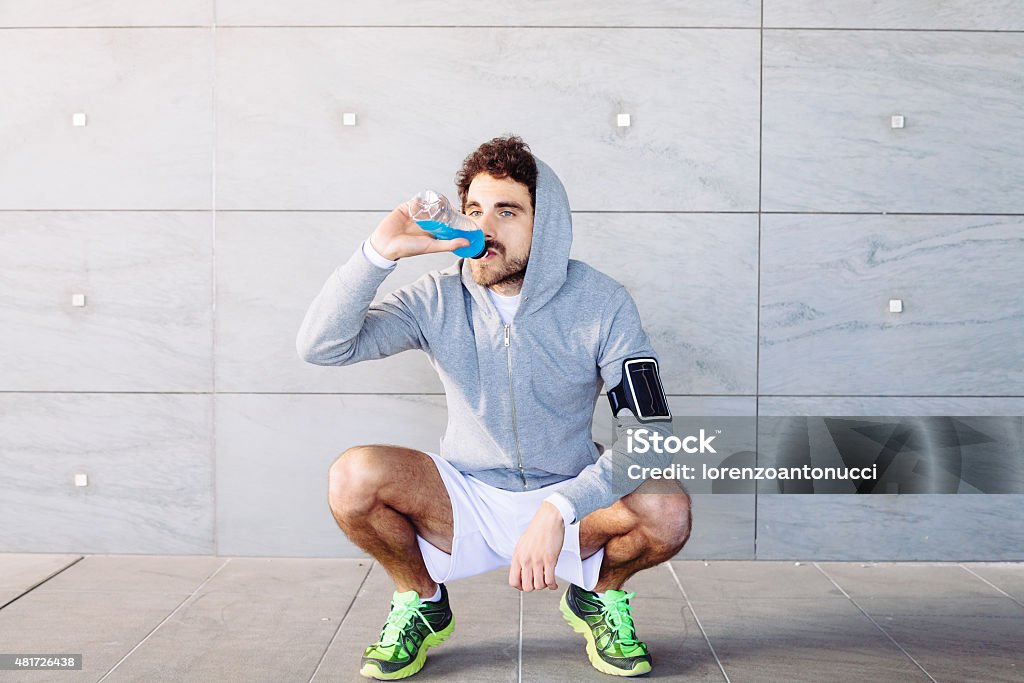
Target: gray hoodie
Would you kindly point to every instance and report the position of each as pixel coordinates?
(521, 396)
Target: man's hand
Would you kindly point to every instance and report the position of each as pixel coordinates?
(398, 236)
(533, 562)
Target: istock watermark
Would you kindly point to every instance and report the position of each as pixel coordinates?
(770, 454)
(644, 440)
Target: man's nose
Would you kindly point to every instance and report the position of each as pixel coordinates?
(487, 224)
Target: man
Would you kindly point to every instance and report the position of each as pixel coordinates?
(523, 340)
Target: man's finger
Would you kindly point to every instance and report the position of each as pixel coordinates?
(447, 245)
(549, 575)
(539, 581)
(515, 575)
(527, 578)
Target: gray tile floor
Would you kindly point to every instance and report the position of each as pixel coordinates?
(210, 619)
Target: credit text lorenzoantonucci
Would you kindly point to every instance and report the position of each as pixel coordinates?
(641, 441)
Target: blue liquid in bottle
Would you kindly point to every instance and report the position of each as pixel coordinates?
(443, 231)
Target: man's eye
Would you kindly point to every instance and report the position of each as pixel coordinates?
(473, 213)
(507, 213)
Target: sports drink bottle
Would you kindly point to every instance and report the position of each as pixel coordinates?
(435, 214)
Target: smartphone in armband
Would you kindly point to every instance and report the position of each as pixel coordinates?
(640, 391)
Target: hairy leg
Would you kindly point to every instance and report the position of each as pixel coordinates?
(382, 497)
(641, 530)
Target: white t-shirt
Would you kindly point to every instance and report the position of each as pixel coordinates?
(506, 305)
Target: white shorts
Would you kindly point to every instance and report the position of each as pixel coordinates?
(488, 522)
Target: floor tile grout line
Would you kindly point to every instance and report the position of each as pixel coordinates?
(341, 623)
(36, 585)
(971, 571)
(872, 620)
(672, 571)
(520, 656)
(164, 620)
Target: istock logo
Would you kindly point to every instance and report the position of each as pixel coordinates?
(645, 441)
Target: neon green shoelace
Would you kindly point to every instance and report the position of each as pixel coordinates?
(616, 611)
(401, 614)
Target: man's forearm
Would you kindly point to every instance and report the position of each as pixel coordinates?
(536, 554)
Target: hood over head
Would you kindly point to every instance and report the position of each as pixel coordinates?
(549, 247)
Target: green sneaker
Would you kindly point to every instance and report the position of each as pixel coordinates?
(412, 626)
(607, 626)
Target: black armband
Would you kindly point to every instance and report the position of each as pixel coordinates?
(640, 391)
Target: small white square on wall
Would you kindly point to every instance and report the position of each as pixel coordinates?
(78, 119)
(81, 480)
(622, 120)
(348, 119)
(895, 305)
(897, 121)
(78, 299)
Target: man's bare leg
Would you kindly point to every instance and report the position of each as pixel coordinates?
(639, 531)
(382, 497)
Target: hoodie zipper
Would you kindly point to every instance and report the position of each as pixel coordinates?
(511, 393)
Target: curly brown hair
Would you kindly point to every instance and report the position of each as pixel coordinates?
(507, 157)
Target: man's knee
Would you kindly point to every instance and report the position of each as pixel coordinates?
(354, 480)
(665, 519)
